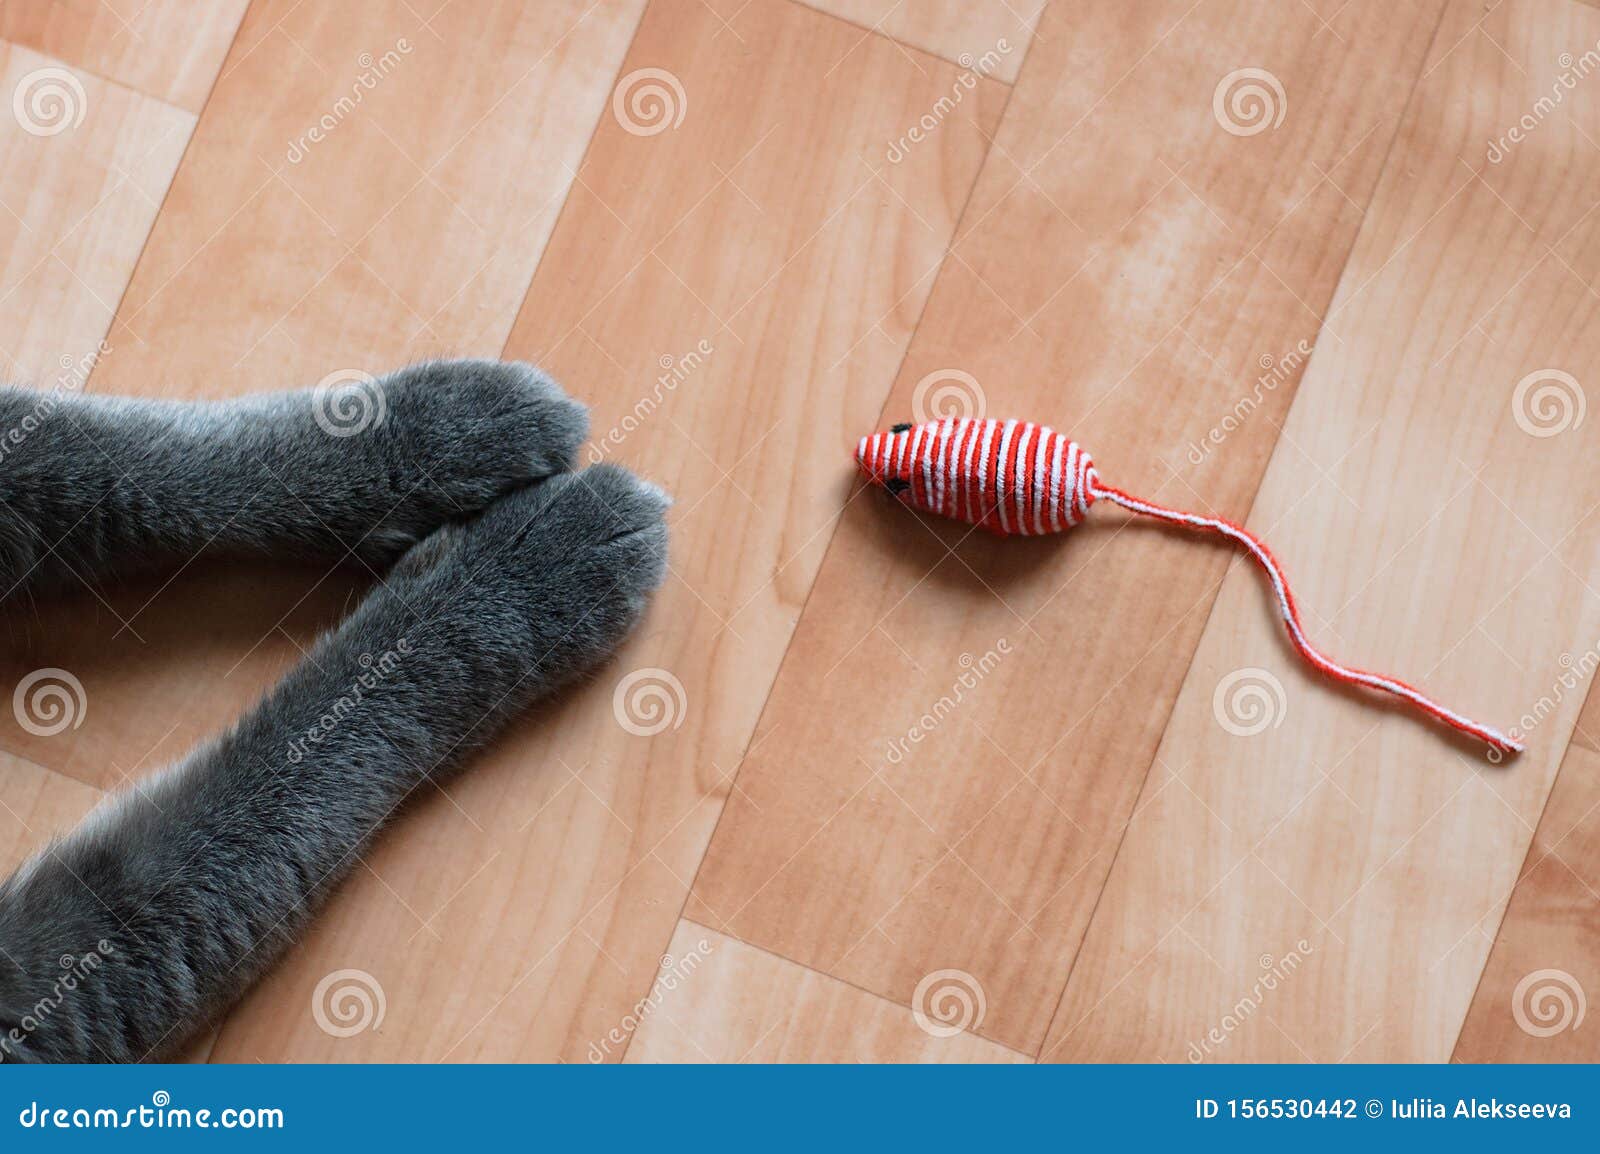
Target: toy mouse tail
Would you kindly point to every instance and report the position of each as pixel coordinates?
(1499, 744)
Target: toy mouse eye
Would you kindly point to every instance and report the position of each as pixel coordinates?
(896, 486)
(902, 427)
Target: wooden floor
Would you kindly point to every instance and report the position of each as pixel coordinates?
(1331, 268)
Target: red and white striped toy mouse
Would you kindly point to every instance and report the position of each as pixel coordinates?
(1016, 477)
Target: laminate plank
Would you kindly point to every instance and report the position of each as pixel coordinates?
(989, 37)
(36, 805)
(167, 49)
(1429, 496)
(399, 225)
(1533, 999)
(718, 999)
(732, 294)
(161, 663)
(1577, 676)
(86, 166)
(962, 726)
(411, 228)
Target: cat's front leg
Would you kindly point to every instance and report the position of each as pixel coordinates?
(185, 888)
(92, 486)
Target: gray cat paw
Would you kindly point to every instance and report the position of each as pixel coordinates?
(478, 428)
(575, 558)
(453, 436)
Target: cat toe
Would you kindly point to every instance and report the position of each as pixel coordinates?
(583, 552)
(481, 427)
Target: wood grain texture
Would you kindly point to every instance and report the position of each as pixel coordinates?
(732, 295)
(359, 219)
(1441, 523)
(412, 228)
(36, 805)
(960, 31)
(998, 769)
(166, 49)
(946, 765)
(77, 199)
(164, 661)
(1532, 1002)
(1579, 678)
(718, 999)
